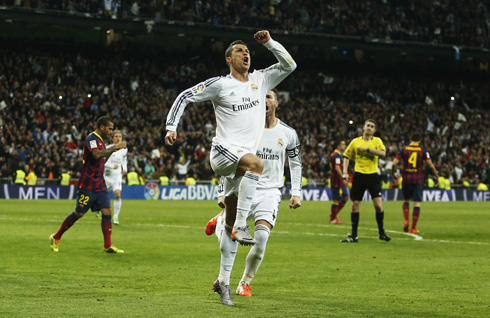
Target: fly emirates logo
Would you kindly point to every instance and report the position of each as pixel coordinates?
(246, 104)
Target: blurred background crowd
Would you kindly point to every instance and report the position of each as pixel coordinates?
(50, 96)
(455, 22)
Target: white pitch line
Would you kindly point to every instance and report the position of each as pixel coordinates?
(414, 236)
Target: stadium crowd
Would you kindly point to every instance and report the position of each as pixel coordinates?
(452, 22)
(50, 99)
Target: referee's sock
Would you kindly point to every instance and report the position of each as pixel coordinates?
(380, 216)
(354, 218)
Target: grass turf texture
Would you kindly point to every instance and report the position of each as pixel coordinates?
(170, 264)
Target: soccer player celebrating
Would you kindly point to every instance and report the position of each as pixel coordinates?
(92, 190)
(239, 105)
(337, 184)
(414, 156)
(278, 141)
(366, 149)
(115, 167)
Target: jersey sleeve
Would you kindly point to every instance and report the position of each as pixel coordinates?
(380, 145)
(92, 143)
(203, 91)
(350, 150)
(279, 71)
(295, 165)
(125, 160)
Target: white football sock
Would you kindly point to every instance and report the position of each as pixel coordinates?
(228, 253)
(220, 226)
(256, 254)
(117, 207)
(246, 193)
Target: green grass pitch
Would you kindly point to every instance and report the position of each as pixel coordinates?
(170, 264)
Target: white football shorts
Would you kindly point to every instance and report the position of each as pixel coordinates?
(225, 158)
(265, 205)
(113, 182)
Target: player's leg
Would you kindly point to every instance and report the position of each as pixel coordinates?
(82, 206)
(406, 206)
(238, 164)
(117, 205)
(415, 217)
(250, 167)
(334, 208)
(103, 203)
(378, 206)
(358, 189)
(418, 190)
(373, 183)
(265, 211)
(228, 249)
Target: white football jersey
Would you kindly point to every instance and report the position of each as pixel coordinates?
(239, 106)
(276, 143)
(119, 159)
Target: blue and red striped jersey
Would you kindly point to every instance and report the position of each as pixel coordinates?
(92, 176)
(336, 179)
(413, 157)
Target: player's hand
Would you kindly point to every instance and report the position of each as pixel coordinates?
(345, 176)
(262, 36)
(362, 149)
(120, 145)
(124, 172)
(170, 138)
(221, 202)
(436, 182)
(295, 202)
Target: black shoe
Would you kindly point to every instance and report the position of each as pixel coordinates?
(349, 239)
(384, 237)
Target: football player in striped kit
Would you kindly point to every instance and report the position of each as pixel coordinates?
(278, 141)
(92, 189)
(414, 156)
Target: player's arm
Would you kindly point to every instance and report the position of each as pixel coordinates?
(348, 153)
(105, 153)
(125, 162)
(295, 169)
(204, 91)
(286, 63)
(393, 169)
(376, 152)
(433, 170)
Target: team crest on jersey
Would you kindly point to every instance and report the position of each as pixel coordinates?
(254, 87)
(198, 88)
(280, 142)
(93, 144)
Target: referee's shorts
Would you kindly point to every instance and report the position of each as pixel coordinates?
(363, 182)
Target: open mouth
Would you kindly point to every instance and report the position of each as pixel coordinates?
(245, 60)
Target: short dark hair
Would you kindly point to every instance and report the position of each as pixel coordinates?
(103, 121)
(275, 93)
(370, 121)
(230, 47)
(416, 137)
(338, 142)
